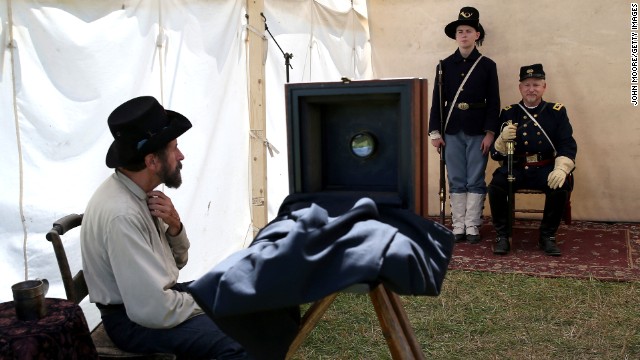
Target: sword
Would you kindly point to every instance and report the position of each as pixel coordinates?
(510, 178)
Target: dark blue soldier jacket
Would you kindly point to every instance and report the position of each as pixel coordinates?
(534, 153)
(481, 92)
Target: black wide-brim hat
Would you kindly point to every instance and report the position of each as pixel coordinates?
(467, 16)
(139, 127)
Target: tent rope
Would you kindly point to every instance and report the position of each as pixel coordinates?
(159, 45)
(256, 134)
(12, 46)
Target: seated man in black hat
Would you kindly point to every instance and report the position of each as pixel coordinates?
(544, 155)
(133, 242)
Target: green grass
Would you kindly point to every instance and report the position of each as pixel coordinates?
(494, 316)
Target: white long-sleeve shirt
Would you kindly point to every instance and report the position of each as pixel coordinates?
(128, 258)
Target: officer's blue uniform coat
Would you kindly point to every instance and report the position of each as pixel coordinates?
(530, 140)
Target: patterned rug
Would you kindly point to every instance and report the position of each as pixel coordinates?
(590, 250)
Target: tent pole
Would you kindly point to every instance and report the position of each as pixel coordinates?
(257, 114)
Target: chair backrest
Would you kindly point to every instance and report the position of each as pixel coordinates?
(74, 286)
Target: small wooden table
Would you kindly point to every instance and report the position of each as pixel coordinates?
(62, 334)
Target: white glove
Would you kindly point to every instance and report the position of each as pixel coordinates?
(508, 133)
(562, 168)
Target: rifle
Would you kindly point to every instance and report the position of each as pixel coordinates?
(510, 178)
(443, 183)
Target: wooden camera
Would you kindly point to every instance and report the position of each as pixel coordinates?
(360, 138)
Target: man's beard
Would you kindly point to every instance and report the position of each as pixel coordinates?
(532, 98)
(172, 179)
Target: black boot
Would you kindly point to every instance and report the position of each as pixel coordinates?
(473, 239)
(548, 245)
(554, 206)
(499, 207)
(501, 247)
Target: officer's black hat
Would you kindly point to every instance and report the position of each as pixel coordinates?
(532, 71)
(467, 16)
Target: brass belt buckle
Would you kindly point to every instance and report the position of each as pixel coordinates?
(532, 158)
(463, 106)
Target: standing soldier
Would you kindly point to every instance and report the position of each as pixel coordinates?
(544, 156)
(469, 107)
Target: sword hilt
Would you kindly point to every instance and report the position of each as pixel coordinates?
(510, 150)
(509, 143)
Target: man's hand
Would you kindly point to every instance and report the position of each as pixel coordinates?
(508, 133)
(556, 178)
(486, 142)
(436, 140)
(562, 168)
(160, 205)
(438, 143)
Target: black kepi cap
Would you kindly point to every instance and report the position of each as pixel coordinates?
(532, 71)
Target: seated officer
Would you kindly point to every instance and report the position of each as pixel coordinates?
(544, 154)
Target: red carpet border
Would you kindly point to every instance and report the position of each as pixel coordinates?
(590, 250)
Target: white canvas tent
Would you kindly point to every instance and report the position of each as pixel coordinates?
(67, 64)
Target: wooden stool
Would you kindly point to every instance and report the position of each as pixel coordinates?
(394, 322)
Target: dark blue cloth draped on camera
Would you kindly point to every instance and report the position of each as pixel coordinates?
(310, 251)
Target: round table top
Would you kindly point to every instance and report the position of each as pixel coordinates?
(61, 333)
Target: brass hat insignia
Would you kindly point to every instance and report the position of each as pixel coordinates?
(529, 71)
(465, 15)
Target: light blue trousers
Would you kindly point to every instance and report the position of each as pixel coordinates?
(465, 163)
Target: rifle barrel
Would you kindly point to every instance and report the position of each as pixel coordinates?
(443, 183)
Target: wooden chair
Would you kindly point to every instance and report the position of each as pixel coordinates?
(393, 320)
(567, 209)
(76, 289)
